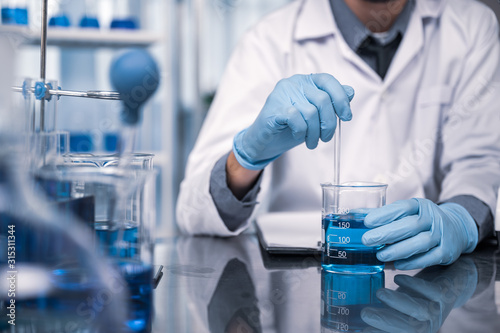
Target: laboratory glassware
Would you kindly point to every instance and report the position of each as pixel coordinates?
(344, 208)
(122, 221)
(89, 19)
(51, 264)
(40, 105)
(60, 20)
(344, 296)
(48, 269)
(123, 16)
(139, 161)
(15, 12)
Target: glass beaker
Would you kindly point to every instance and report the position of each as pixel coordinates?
(344, 209)
(46, 148)
(138, 161)
(344, 296)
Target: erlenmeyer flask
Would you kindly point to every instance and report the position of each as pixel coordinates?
(89, 19)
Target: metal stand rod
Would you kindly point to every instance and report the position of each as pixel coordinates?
(43, 60)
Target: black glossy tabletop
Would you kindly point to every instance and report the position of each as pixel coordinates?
(230, 285)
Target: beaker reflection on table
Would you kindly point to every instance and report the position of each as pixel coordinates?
(344, 296)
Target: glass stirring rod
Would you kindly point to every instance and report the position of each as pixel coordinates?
(336, 153)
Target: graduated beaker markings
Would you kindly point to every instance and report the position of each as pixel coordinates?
(345, 207)
(336, 295)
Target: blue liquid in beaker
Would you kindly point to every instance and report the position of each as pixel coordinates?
(343, 250)
(107, 239)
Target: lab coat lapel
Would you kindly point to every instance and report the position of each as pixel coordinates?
(413, 40)
(316, 20)
(410, 47)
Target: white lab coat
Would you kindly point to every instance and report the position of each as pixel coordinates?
(430, 129)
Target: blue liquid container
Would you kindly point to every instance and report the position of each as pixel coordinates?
(89, 22)
(343, 250)
(14, 16)
(8, 15)
(108, 243)
(21, 16)
(125, 23)
(59, 21)
(344, 296)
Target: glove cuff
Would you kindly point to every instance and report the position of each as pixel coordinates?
(243, 158)
(462, 216)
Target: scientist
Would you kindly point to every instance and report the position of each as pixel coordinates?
(425, 119)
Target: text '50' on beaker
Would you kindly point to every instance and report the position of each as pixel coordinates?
(344, 209)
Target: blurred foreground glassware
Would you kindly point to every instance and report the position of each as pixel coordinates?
(50, 277)
(122, 221)
(40, 108)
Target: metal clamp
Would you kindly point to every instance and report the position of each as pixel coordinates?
(45, 91)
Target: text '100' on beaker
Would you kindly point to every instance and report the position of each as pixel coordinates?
(344, 209)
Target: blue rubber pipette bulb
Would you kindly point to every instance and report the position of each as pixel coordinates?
(135, 76)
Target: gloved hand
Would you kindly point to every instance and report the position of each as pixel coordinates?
(423, 302)
(418, 233)
(302, 108)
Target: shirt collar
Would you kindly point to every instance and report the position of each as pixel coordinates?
(355, 32)
(315, 20)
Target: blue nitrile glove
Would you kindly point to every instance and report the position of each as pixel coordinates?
(418, 233)
(301, 108)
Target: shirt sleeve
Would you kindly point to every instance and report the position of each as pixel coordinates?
(479, 211)
(232, 211)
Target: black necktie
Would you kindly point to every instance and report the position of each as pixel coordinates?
(382, 53)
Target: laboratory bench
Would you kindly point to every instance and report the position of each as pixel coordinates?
(212, 284)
